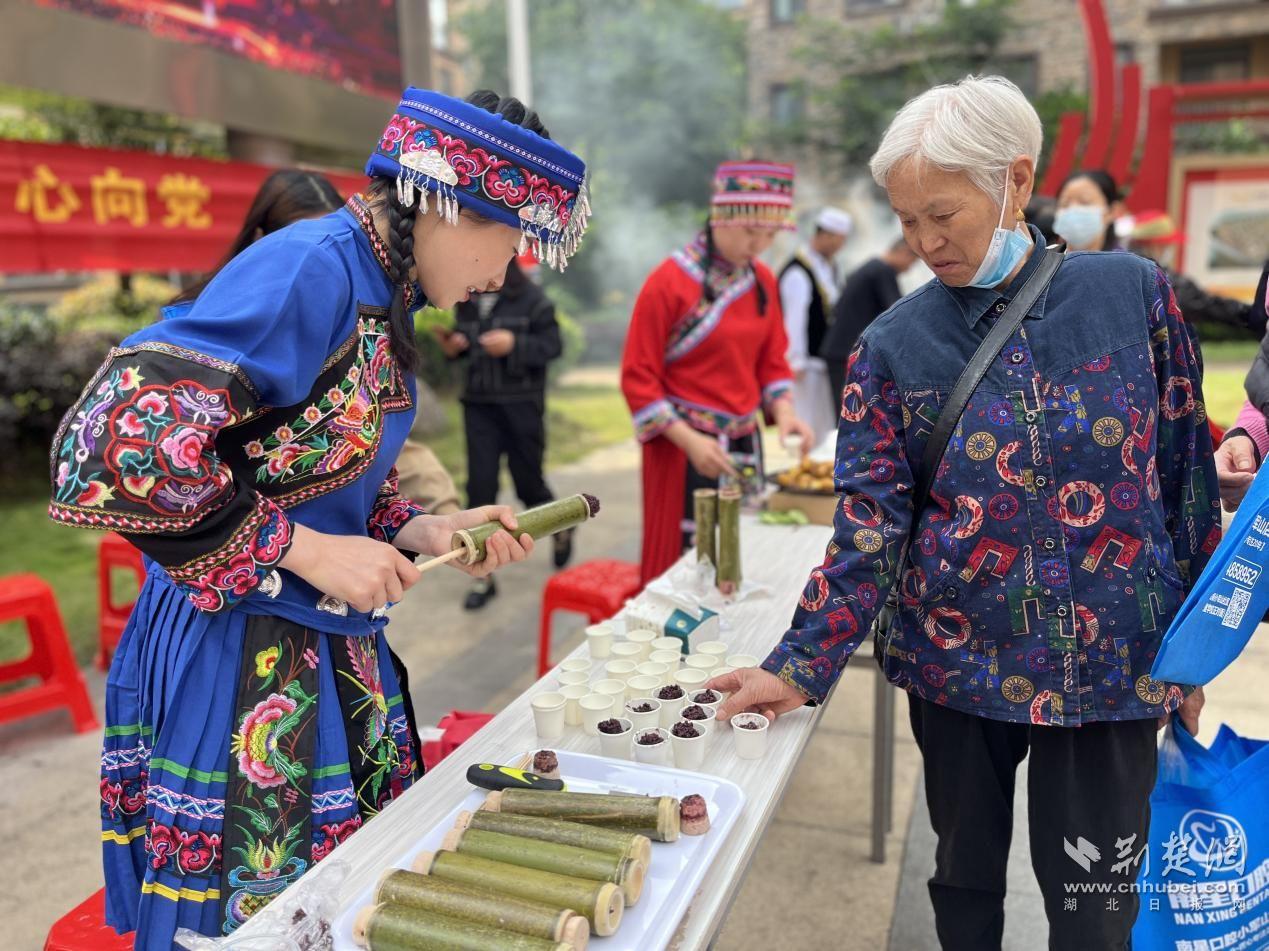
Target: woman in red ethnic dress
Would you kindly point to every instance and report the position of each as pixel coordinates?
(705, 354)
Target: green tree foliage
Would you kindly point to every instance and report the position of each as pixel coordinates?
(650, 92)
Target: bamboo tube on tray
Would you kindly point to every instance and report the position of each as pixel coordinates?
(729, 570)
(538, 522)
(601, 903)
(655, 816)
(401, 928)
(705, 511)
(625, 873)
(629, 845)
(398, 886)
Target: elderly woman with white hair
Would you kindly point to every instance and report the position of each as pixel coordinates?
(1058, 413)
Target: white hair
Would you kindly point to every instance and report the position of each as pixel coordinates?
(977, 126)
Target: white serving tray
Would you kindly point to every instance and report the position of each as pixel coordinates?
(677, 867)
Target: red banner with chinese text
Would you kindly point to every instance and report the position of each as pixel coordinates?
(63, 207)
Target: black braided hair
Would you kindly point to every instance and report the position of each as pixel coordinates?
(708, 294)
(401, 218)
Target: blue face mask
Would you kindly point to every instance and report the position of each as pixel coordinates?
(1079, 225)
(1007, 250)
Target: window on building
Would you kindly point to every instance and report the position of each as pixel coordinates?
(1024, 71)
(1125, 53)
(1215, 63)
(786, 11)
(864, 6)
(788, 104)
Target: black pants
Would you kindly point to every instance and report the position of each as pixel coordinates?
(836, 383)
(1091, 782)
(516, 430)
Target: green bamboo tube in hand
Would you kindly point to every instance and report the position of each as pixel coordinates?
(654, 816)
(401, 928)
(729, 571)
(705, 512)
(625, 873)
(538, 522)
(399, 886)
(601, 903)
(629, 845)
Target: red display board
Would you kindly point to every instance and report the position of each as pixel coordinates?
(63, 207)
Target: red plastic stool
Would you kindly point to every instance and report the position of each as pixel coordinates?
(27, 598)
(84, 928)
(115, 552)
(596, 588)
(458, 727)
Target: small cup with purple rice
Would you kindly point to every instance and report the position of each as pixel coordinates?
(698, 714)
(709, 699)
(687, 737)
(615, 736)
(644, 713)
(671, 697)
(750, 733)
(652, 747)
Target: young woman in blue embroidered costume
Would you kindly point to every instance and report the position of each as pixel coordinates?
(1073, 507)
(245, 445)
(705, 356)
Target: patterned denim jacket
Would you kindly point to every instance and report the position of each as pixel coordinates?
(1076, 500)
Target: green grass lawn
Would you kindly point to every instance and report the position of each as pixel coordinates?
(581, 419)
(1225, 366)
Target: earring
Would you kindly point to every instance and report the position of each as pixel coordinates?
(1020, 215)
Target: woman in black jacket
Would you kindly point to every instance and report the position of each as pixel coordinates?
(506, 337)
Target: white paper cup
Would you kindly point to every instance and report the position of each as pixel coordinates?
(706, 725)
(711, 707)
(644, 721)
(614, 690)
(619, 625)
(617, 745)
(750, 744)
(548, 715)
(741, 660)
(628, 650)
(705, 662)
(652, 669)
(644, 641)
(659, 754)
(689, 751)
(670, 710)
(594, 707)
(642, 685)
(690, 678)
(599, 640)
(720, 671)
(671, 659)
(576, 663)
(668, 644)
(715, 648)
(572, 678)
(619, 670)
(572, 695)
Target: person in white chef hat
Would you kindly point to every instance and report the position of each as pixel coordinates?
(809, 287)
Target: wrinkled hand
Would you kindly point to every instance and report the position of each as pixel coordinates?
(498, 343)
(755, 691)
(501, 549)
(366, 573)
(708, 457)
(1235, 470)
(1189, 712)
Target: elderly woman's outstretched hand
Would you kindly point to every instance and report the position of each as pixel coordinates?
(755, 691)
(1235, 469)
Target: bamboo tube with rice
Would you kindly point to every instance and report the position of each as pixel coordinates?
(402, 928)
(705, 512)
(729, 568)
(625, 873)
(482, 906)
(601, 903)
(630, 845)
(657, 817)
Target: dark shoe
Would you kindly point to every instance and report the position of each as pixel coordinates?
(564, 547)
(482, 590)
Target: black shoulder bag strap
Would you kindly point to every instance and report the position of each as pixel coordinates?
(950, 415)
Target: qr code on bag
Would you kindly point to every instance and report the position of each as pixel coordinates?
(1237, 608)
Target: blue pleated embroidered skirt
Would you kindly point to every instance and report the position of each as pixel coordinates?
(239, 750)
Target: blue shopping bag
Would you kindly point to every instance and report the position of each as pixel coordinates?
(1204, 878)
(1227, 602)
